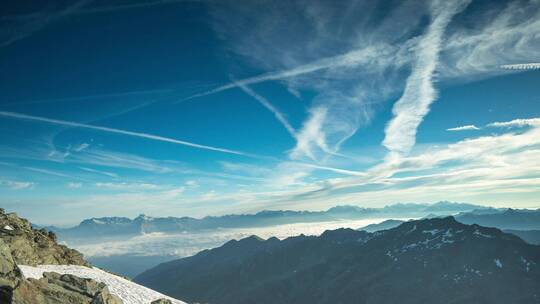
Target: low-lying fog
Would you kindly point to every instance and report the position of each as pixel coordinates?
(130, 256)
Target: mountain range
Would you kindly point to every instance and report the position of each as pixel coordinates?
(123, 226)
(437, 260)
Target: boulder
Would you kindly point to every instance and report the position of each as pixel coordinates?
(105, 297)
(56, 288)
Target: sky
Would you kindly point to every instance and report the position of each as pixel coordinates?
(194, 108)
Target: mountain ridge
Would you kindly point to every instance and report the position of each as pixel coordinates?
(94, 227)
(450, 260)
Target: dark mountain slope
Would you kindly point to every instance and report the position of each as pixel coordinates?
(529, 236)
(426, 261)
(517, 219)
(388, 224)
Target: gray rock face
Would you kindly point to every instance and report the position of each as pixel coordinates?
(9, 272)
(10, 275)
(30, 246)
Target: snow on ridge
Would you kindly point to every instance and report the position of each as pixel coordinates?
(129, 292)
(8, 227)
(432, 232)
(478, 233)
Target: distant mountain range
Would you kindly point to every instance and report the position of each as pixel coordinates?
(116, 226)
(438, 260)
(521, 222)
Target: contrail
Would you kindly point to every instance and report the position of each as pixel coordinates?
(123, 132)
(348, 59)
(90, 97)
(522, 66)
(409, 111)
(336, 170)
(38, 23)
(279, 116)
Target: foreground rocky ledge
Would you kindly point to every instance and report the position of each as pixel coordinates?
(67, 278)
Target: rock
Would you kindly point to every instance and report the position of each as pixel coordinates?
(83, 286)
(161, 301)
(30, 246)
(10, 275)
(56, 288)
(9, 272)
(105, 297)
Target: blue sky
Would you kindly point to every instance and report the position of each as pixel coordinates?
(213, 107)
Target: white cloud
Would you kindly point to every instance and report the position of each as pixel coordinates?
(192, 184)
(464, 128)
(348, 59)
(472, 169)
(74, 185)
(370, 69)
(128, 186)
(16, 185)
(122, 132)
(497, 37)
(106, 173)
(410, 109)
(311, 136)
(521, 66)
(268, 105)
(23, 26)
(81, 147)
(516, 123)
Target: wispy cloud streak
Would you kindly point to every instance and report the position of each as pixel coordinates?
(123, 132)
(464, 128)
(41, 20)
(516, 123)
(521, 66)
(410, 109)
(349, 59)
(266, 103)
(16, 185)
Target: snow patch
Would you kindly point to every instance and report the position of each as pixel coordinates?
(432, 232)
(129, 292)
(478, 233)
(389, 254)
(8, 227)
(527, 264)
(412, 229)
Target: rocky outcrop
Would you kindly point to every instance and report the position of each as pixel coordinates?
(24, 245)
(56, 288)
(31, 246)
(161, 301)
(10, 275)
